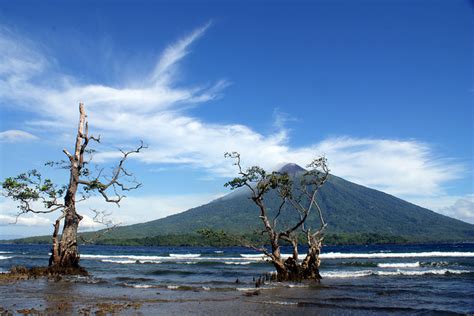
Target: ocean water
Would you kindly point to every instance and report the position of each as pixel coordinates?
(378, 279)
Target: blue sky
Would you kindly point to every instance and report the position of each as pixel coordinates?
(382, 88)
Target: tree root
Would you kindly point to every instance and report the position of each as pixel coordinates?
(56, 273)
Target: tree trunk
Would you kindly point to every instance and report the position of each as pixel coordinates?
(291, 270)
(311, 262)
(69, 255)
(66, 255)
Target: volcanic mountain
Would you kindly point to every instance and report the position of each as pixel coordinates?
(349, 208)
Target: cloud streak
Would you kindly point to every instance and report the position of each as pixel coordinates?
(15, 136)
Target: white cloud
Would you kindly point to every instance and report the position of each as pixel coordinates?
(154, 109)
(15, 136)
(26, 220)
(132, 210)
(460, 207)
(463, 209)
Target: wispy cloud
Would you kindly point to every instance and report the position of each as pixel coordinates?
(154, 110)
(14, 136)
(164, 69)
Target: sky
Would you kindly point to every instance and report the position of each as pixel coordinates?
(383, 89)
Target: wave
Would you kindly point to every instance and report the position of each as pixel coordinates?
(140, 286)
(363, 273)
(132, 257)
(254, 288)
(219, 251)
(194, 258)
(6, 252)
(346, 274)
(423, 272)
(253, 256)
(5, 257)
(237, 263)
(399, 265)
(298, 285)
(186, 255)
(339, 255)
(279, 302)
(360, 264)
(436, 264)
(173, 258)
(130, 261)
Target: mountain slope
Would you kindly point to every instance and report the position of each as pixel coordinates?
(347, 207)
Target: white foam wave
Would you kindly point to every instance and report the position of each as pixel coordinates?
(185, 255)
(179, 259)
(339, 255)
(140, 286)
(130, 257)
(193, 258)
(5, 252)
(252, 256)
(422, 272)
(254, 288)
(297, 285)
(172, 287)
(5, 257)
(119, 261)
(236, 262)
(399, 265)
(363, 273)
(346, 274)
(129, 261)
(219, 251)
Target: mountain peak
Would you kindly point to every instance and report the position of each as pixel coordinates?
(291, 169)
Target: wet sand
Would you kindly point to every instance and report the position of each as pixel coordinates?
(82, 297)
(42, 296)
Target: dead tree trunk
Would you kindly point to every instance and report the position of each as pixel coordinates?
(66, 254)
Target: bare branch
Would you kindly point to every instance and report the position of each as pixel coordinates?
(100, 217)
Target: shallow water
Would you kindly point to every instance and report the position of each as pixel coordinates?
(360, 279)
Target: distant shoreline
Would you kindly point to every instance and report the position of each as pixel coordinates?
(149, 242)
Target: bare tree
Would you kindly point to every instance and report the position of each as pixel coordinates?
(30, 187)
(297, 198)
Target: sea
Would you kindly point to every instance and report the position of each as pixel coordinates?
(379, 279)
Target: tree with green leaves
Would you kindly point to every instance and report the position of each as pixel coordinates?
(297, 196)
(29, 188)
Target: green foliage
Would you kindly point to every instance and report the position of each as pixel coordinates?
(94, 185)
(30, 187)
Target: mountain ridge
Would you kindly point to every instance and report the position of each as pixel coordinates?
(347, 207)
